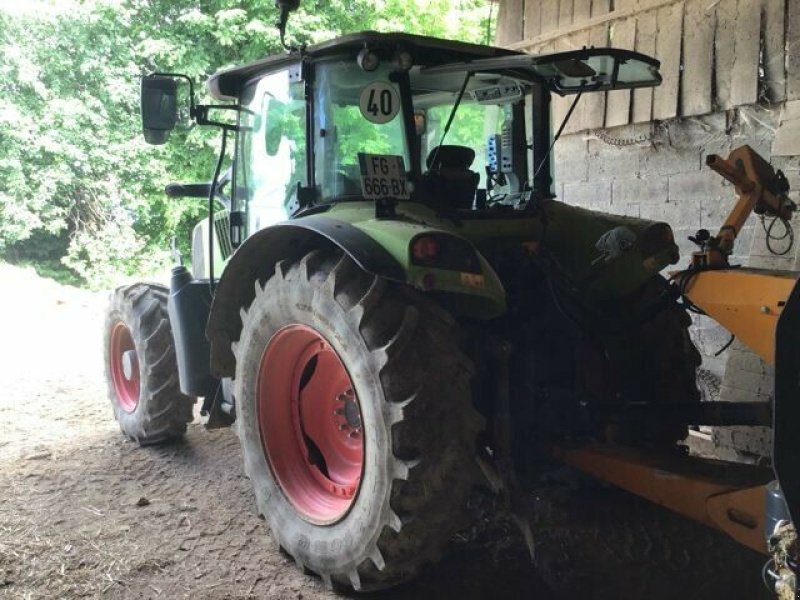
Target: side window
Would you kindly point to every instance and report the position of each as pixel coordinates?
(272, 151)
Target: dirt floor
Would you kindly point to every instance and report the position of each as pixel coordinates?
(86, 513)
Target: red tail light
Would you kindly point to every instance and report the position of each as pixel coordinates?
(424, 248)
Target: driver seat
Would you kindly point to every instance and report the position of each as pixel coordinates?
(449, 178)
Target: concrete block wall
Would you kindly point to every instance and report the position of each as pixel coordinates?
(657, 171)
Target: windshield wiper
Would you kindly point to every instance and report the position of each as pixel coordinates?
(452, 115)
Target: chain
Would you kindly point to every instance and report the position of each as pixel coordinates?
(603, 136)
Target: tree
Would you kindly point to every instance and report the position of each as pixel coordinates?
(80, 193)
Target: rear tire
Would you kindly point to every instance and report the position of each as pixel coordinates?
(412, 386)
(141, 368)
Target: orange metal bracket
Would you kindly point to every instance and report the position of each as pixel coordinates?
(747, 302)
(754, 179)
(699, 489)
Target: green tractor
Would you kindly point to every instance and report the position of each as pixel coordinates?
(393, 307)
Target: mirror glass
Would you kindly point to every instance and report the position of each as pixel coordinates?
(159, 107)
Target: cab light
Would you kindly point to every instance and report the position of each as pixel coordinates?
(404, 60)
(368, 60)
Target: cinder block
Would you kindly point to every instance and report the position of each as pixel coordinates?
(709, 340)
(759, 240)
(611, 161)
(790, 165)
(677, 215)
(698, 187)
(756, 126)
(715, 210)
(749, 362)
(715, 364)
(744, 241)
(735, 394)
(571, 159)
(746, 372)
(639, 190)
(591, 194)
(668, 160)
(749, 440)
(685, 247)
(630, 209)
(698, 137)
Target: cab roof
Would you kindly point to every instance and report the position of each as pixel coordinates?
(426, 51)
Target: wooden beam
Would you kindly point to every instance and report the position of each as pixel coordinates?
(725, 48)
(581, 11)
(793, 50)
(698, 63)
(618, 106)
(550, 34)
(533, 18)
(549, 20)
(509, 22)
(594, 108)
(646, 44)
(774, 44)
(744, 87)
(669, 24)
(565, 13)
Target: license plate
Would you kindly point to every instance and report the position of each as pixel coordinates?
(383, 176)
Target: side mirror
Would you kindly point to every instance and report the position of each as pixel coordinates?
(159, 107)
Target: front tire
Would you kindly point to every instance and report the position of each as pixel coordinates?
(370, 509)
(141, 368)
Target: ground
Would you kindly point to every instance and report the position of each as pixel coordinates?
(86, 513)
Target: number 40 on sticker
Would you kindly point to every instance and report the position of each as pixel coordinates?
(379, 102)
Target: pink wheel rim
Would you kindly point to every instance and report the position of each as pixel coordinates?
(124, 367)
(309, 420)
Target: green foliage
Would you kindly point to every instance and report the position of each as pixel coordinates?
(79, 189)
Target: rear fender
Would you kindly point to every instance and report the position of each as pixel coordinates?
(379, 249)
(256, 259)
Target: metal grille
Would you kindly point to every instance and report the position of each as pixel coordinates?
(222, 226)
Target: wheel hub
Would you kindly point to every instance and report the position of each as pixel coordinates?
(309, 419)
(129, 363)
(124, 366)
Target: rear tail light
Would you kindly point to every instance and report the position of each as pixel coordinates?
(444, 251)
(424, 247)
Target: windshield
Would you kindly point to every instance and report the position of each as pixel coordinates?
(485, 155)
(359, 111)
(355, 111)
(483, 122)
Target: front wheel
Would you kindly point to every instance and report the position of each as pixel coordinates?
(141, 368)
(355, 421)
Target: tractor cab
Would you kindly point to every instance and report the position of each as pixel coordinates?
(454, 126)
(396, 117)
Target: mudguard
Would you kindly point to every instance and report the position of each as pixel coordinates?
(256, 259)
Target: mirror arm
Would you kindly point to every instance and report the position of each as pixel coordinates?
(191, 86)
(200, 115)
